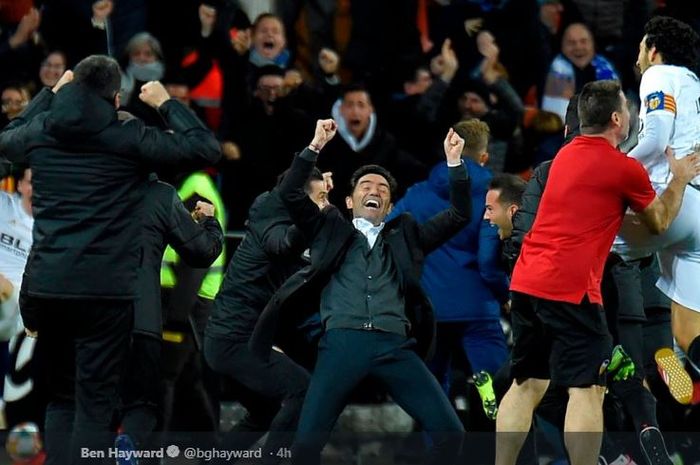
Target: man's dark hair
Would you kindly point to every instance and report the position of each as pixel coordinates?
(19, 171)
(511, 188)
(315, 175)
(374, 169)
(268, 70)
(355, 87)
(676, 41)
(571, 121)
(596, 103)
(99, 73)
(410, 73)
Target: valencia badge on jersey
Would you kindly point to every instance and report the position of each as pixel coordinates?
(660, 101)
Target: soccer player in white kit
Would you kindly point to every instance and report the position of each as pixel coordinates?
(670, 117)
(16, 224)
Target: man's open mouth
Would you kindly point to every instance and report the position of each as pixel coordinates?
(372, 204)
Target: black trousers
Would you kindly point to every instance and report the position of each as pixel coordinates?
(272, 392)
(345, 357)
(624, 304)
(141, 393)
(84, 346)
(190, 391)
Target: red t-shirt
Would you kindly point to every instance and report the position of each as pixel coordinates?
(589, 188)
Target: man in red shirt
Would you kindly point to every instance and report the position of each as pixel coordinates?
(558, 322)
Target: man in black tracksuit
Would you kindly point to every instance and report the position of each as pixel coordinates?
(364, 277)
(80, 281)
(272, 391)
(199, 242)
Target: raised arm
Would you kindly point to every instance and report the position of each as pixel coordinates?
(188, 141)
(447, 223)
(303, 211)
(197, 237)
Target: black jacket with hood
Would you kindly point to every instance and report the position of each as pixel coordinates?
(88, 172)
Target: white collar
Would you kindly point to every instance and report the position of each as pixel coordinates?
(370, 231)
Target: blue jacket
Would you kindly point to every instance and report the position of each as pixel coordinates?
(464, 278)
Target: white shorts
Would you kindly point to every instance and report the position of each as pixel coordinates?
(678, 249)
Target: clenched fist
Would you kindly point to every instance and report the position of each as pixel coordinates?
(154, 94)
(202, 210)
(65, 79)
(453, 146)
(325, 130)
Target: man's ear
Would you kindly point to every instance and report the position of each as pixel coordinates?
(512, 209)
(615, 118)
(348, 202)
(391, 207)
(653, 53)
(484, 158)
(20, 187)
(117, 100)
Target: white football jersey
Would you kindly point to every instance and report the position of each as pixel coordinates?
(674, 92)
(15, 237)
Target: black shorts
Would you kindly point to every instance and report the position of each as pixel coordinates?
(567, 343)
(622, 291)
(650, 272)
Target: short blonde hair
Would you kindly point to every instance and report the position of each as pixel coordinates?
(476, 135)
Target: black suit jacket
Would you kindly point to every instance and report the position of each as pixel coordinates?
(330, 235)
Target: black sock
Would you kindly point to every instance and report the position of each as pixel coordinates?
(694, 351)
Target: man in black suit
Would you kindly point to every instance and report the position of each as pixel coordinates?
(364, 277)
(80, 281)
(271, 390)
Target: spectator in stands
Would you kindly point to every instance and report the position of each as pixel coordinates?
(490, 98)
(52, 68)
(463, 278)
(145, 63)
(267, 129)
(15, 99)
(414, 112)
(19, 39)
(361, 141)
(501, 117)
(577, 64)
(378, 58)
(543, 137)
(84, 27)
(179, 89)
(319, 22)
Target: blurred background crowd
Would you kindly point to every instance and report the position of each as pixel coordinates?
(416, 67)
